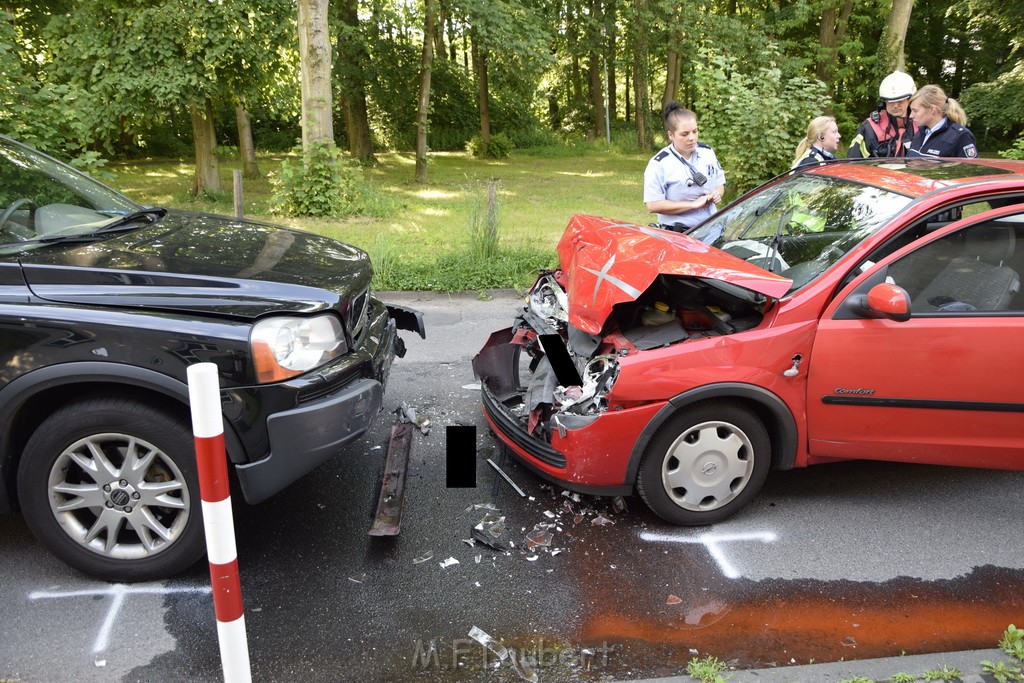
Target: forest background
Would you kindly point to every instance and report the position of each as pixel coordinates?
(441, 120)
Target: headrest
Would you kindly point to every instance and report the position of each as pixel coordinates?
(992, 244)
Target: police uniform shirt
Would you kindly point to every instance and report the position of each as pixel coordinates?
(668, 177)
(945, 140)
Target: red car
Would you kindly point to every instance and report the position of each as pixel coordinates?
(855, 310)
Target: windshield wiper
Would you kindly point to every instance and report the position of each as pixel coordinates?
(150, 213)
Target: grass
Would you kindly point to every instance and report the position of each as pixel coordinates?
(426, 240)
(707, 670)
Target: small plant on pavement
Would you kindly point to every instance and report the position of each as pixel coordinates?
(707, 670)
(1013, 642)
(903, 677)
(946, 673)
(858, 679)
(1001, 671)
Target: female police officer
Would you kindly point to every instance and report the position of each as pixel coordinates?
(820, 143)
(684, 181)
(940, 126)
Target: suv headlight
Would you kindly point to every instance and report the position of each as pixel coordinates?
(283, 347)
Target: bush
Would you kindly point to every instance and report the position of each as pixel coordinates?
(499, 147)
(1016, 151)
(320, 183)
(754, 120)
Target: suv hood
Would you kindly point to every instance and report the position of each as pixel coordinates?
(610, 262)
(204, 264)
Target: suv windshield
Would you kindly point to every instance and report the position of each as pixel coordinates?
(41, 198)
(799, 227)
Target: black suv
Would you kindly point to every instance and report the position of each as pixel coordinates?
(103, 306)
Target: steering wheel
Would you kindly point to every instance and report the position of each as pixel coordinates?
(9, 211)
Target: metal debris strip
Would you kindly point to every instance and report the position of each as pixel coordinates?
(423, 557)
(506, 477)
(357, 578)
(407, 413)
(388, 519)
(490, 643)
(490, 531)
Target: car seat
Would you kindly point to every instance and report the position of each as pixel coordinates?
(976, 280)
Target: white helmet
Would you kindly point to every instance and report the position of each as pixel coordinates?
(896, 86)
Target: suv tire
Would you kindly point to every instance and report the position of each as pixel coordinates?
(109, 485)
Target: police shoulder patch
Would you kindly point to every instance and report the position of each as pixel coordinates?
(661, 155)
(970, 151)
(704, 145)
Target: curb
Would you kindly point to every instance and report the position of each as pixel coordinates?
(967, 662)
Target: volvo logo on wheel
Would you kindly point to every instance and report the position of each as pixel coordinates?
(120, 497)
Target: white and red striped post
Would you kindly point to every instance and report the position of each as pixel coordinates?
(214, 489)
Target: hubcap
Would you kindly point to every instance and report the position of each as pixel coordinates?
(119, 496)
(707, 466)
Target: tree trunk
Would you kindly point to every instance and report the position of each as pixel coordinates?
(672, 66)
(439, 22)
(355, 57)
(611, 33)
(480, 66)
(644, 137)
(315, 66)
(833, 27)
(424, 105)
(596, 93)
(245, 146)
(207, 176)
(894, 38)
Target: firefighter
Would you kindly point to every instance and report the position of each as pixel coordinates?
(888, 130)
(821, 143)
(684, 181)
(941, 129)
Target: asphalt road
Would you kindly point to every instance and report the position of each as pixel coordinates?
(847, 561)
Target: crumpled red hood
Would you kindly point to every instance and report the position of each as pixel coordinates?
(610, 262)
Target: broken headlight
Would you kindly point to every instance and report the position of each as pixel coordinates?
(548, 300)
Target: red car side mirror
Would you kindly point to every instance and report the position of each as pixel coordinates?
(887, 301)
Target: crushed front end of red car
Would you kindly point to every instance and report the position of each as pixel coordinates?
(569, 387)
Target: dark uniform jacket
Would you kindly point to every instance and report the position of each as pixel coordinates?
(947, 140)
(880, 136)
(813, 157)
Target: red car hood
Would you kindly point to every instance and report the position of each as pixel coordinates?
(611, 262)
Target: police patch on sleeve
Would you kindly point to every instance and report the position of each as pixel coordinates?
(970, 151)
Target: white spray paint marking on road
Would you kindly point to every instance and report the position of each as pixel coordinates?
(117, 591)
(713, 543)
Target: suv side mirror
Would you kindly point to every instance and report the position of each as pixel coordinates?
(887, 301)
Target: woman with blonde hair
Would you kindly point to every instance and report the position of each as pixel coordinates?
(941, 126)
(821, 143)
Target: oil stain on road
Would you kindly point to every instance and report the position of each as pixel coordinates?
(756, 624)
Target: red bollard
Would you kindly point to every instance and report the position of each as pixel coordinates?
(214, 489)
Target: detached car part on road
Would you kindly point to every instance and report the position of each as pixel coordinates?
(103, 306)
(856, 310)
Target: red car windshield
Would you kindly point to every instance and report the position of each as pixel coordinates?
(798, 228)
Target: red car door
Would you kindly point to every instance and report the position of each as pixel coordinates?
(945, 386)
